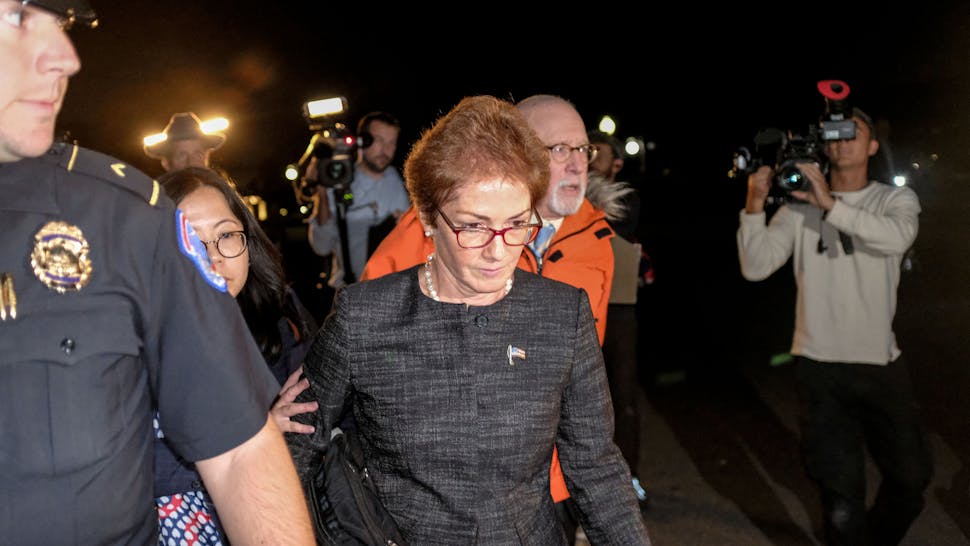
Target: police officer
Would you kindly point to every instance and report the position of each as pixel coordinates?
(108, 306)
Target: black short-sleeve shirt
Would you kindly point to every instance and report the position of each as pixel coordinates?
(112, 316)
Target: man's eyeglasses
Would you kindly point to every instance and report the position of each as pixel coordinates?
(478, 237)
(561, 152)
(229, 244)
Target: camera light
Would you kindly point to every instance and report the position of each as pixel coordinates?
(152, 140)
(208, 127)
(607, 125)
(632, 146)
(292, 172)
(899, 180)
(214, 125)
(324, 107)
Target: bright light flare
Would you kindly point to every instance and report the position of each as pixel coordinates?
(152, 140)
(607, 125)
(292, 172)
(632, 146)
(324, 107)
(214, 125)
(209, 126)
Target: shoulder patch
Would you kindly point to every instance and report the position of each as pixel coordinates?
(76, 159)
(191, 246)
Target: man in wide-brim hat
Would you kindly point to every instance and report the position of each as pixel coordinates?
(185, 144)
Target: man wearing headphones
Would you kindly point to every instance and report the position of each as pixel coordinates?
(377, 198)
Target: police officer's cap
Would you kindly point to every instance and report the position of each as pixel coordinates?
(74, 11)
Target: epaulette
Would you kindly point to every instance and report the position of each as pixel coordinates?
(80, 160)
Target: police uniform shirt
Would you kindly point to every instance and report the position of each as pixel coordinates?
(103, 315)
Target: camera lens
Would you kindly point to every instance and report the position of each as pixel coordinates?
(336, 170)
(791, 179)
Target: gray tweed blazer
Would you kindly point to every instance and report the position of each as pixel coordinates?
(458, 409)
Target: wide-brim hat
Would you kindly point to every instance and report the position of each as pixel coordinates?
(184, 126)
(72, 10)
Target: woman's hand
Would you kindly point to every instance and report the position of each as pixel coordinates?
(285, 407)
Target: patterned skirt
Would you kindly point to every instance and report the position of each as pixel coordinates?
(187, 519)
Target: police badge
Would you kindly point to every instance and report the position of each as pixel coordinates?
(60, 257)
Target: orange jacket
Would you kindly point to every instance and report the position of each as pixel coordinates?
(405, 246)
(580, 254)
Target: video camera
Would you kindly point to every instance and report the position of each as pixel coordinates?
(784, 150)
(332, 144)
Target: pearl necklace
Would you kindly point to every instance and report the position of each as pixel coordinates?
(430, 285)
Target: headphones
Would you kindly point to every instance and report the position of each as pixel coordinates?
(364, 139)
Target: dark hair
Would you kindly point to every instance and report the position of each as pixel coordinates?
(363, 125)
(263, 298)
(858, 113)
(599, 137)
(480, 137)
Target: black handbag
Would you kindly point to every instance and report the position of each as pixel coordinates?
(344, 504)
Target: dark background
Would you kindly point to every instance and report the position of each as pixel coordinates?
(697, 81)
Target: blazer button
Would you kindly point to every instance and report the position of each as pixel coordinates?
(67, 345)
(197, 485)
(481, 321)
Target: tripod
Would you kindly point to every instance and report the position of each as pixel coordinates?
(344, 198)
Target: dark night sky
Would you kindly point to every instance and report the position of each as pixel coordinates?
(699, 88)
(698, 81)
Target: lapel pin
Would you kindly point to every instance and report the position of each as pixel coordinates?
(515, 352)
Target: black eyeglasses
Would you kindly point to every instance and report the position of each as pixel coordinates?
(561, 152)
(480, 236)
(229, 244)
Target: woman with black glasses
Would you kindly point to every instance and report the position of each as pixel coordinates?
(246, 260)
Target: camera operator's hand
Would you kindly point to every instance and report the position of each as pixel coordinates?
(820, 195)
(321, 205)
(321, 202)
(759, 184)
